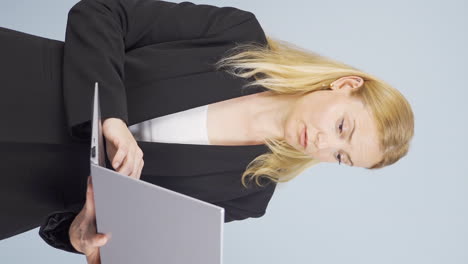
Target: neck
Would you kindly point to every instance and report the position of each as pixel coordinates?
(268, 114)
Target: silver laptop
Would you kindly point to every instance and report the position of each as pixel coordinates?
(148, 223)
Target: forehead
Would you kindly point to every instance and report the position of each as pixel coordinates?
(364, 149)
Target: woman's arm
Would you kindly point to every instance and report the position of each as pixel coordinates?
(54, 230)
(252, 205)
(98, 34)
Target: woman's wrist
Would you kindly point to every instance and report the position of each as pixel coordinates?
(114, 120)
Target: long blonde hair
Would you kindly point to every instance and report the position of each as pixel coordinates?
(284, 68)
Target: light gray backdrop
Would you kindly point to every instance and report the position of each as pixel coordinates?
(413, 212)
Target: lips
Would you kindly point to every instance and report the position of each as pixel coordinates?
(304, 137)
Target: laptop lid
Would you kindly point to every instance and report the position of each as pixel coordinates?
(97, 139)
(148, 223)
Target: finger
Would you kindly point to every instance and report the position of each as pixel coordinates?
(98, 257)
(98, 261)
(99, 240)
(136, 164)
(119, 156)
(140, 168)
(127, 166)
(93, 258)
(89, 205)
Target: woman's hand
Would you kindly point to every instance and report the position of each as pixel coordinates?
(122, 149)
(82, 232)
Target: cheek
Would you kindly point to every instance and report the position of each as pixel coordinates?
(317, 122)
(323, 155)
(319, 116)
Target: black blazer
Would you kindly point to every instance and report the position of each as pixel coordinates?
(153, 58)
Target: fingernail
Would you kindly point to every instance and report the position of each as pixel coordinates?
(116, 164)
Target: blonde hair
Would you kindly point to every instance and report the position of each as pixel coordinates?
(284, 68)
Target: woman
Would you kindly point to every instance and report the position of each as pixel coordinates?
(287, 109)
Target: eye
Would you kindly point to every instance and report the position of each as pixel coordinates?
(340, 127)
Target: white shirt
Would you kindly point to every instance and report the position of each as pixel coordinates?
(186, 127)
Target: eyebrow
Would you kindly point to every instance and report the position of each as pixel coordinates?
(349, 140)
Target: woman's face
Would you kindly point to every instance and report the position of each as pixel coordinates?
(337, 125)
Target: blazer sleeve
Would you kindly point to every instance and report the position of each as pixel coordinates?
(54, 230)
(253, 205)
(100, 32)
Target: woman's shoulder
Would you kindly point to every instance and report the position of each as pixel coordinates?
(257, 33)
(248, 22)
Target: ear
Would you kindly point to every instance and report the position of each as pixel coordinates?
(347, 83)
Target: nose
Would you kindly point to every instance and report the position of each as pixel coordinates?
(320, 141)
(324, 141)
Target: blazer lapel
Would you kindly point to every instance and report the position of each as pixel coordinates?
(172, 159)
(166, 96)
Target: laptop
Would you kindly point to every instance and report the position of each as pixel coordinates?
(148, 223)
